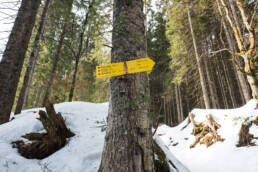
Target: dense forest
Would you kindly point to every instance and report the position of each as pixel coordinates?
(205, 54)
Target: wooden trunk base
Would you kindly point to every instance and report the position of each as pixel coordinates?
(45, 144)
(205, 132)
(245, 138)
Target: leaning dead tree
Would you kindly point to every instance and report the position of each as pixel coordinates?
(44, 144)
(205, 132)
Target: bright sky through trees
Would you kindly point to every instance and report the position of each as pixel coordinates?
(8, 11)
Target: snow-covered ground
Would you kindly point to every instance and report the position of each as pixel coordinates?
(221, 156)
(83, 152)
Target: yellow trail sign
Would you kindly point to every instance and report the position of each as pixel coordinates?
(139, 65)
(108, 70)
(122, 68)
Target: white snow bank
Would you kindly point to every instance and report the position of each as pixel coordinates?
(174, 164)
(83, 152)
(222, 156)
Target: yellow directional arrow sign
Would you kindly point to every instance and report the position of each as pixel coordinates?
(122, 68)
(139, 65)
(108, 70)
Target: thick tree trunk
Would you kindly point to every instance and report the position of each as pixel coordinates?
(198, 59)
(14, 54)
(128, 141)
(33, 57)
(57, 55)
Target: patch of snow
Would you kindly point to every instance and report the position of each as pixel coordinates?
(174, 164)
(83, 151)
(81, 154)
(221, 156)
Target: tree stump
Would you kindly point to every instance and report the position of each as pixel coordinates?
(44, 144)
(205, 132)
(245, 138)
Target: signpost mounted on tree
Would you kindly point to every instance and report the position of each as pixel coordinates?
(122, 68)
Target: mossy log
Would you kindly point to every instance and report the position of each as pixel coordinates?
(245, 138)
(205, 132)
(44, 144)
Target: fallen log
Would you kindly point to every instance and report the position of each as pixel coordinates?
(45, 144)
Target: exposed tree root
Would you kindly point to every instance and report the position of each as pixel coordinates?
(205, 132)
(44, 144)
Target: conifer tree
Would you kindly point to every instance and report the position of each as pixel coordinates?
(14, 55)
(128, 141)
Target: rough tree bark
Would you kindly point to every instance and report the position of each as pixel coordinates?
(14, 54)
(128, 141)
(200, 69)
(33, 58)
(58, 54)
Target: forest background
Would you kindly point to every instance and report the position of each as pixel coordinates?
(192, 42)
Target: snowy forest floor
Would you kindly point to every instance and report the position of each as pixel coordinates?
(81, 154)
(87, 121)
(221, 156)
